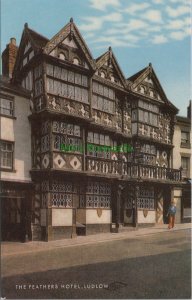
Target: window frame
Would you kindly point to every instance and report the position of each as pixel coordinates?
(11, 99)
(2, 167)
(185, 143)
(185, 171)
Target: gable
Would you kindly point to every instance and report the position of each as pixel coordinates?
(148, 88)
(147, 84)
(108, 68)
(70, 42)
(70, 39)
(25, 53)
(31, 43)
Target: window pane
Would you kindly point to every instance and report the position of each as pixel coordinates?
(6, 107)
(6, 155)
(185, 162)
(184, 137)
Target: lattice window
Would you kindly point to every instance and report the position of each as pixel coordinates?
(45, 186)
(100, 145)
(102, 99)
(84, 80)
(62, 193)
(71, 76)
(105, 201)
(66, 128)
(77, 78)
(56, 126)
(61, 200)
(146, 198)
(145, 203)
(98, 195)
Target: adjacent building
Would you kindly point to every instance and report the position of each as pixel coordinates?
(15, 145)
(182, 159)
(95, 148)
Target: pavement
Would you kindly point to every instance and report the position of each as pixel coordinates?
(18, 248)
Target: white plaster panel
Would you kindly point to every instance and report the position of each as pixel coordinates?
(177, 193)
(43, 217)
(149, 219)
(7, 131)
(93, 218)
(61, 217)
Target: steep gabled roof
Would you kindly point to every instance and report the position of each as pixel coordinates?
(109, 56)
(70, 30)
(36, 40)
(136, 75)
(39, 40)
(138, 78)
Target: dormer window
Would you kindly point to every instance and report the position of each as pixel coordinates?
(76, 61)
(102, 74)
(142, 89)
(151, 93)
(112, 78)
(62, 56)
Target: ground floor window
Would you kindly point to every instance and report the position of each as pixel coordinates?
(62, 193)
(145, 198)
(98, 194)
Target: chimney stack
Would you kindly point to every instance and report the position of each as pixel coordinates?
(9, 57)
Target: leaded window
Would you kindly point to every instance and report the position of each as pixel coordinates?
(146, 154)
(67, 88)
(67, 75)
(98, 195)
(145, 198)
(63, 193)
(67, 137)
(100, 145)
(103, 97)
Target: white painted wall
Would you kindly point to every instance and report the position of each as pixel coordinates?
(149, 219)
(18, 131)
(93, 218)
(177, 150)
(61, 217)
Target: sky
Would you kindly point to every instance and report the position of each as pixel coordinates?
(139, 32)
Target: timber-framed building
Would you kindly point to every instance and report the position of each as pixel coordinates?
(101, 144)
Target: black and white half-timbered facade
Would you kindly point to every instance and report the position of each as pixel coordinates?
(101, 144)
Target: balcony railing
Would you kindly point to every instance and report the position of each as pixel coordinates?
(131, 170)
